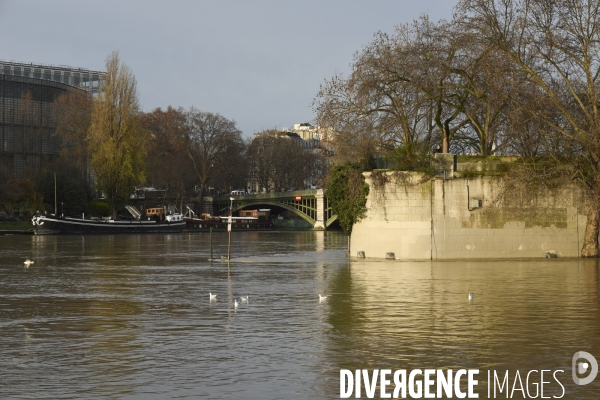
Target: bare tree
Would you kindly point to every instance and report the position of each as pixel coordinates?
(210, 141)
(278, 161)
(427, 82)
(353, 140)
(230, 170)
(480, 76)
(377, 106)
(295, 165)
(433, 49)
(263, 159)
(466, 81)
(527, 134)
(556, 46)
(169, 166)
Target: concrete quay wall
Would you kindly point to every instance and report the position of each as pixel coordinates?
(412, 217)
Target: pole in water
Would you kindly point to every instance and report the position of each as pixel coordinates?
(229, 241)
(229, 220)
(229, 247)
(55, 203)
(210, 236)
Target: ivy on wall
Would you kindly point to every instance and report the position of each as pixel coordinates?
(347, 194)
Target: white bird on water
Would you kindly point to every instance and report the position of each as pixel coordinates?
(244, 298)
(321, 298)
(27, 263)
(470, 296)
(212, 296)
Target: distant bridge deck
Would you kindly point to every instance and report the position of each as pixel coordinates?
(311, 205)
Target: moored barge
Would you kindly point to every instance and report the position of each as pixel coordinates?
(248, 220)
(157, 223)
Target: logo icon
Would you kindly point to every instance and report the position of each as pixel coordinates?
(580, 367)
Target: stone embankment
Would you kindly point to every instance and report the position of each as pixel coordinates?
(460, 214)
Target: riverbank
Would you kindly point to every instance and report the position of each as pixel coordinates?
(15, 228)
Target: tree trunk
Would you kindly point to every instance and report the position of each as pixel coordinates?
(445, 144)
(200, 196)
(590, 239)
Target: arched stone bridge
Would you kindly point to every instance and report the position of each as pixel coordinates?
(311, 205)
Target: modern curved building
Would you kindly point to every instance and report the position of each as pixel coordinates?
(28, 144)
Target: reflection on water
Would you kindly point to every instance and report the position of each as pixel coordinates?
(130, 317)
(525, 315)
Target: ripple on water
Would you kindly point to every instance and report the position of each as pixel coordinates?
(129, 316)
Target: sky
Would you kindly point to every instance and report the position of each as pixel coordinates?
(257, 62)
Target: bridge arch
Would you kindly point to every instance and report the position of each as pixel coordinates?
(310, 205)
(302, 215)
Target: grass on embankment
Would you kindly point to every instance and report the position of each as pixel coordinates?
(15, 226)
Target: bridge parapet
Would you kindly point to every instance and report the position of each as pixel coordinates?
(274, 195)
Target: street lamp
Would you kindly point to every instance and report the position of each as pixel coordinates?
(230, 183)
(229, 220)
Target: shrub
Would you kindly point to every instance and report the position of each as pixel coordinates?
(69, 191)
(411, 156)
(99, 208)
(347, 194)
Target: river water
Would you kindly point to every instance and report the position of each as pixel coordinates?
(129, 316)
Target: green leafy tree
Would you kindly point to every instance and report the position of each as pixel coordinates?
(18, 191)
(116, 139)
(71, 194)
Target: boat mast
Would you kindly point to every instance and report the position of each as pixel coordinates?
(55, 204)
